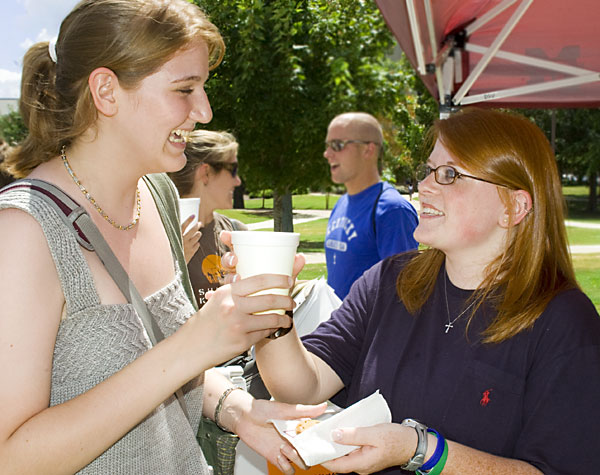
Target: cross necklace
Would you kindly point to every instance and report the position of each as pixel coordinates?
(450, 323)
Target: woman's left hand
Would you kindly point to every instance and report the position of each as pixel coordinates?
(260, 435)
(381, 446)
(191, 238)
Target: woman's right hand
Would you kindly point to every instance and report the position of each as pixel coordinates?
(226, 325)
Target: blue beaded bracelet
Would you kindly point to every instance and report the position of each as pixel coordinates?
(437, 454)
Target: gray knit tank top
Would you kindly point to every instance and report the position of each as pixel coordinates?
(94, 341)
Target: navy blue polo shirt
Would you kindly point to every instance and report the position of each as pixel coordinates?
(534, 397)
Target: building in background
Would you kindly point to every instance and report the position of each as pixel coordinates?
(7, 105)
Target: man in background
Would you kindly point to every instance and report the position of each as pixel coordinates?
(371, 221)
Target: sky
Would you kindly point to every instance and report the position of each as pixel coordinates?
(25, 22)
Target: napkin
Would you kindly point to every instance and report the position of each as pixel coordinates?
(315, 445)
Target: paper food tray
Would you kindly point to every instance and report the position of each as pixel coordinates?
(315, 446)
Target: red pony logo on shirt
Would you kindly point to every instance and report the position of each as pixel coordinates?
(486, 397)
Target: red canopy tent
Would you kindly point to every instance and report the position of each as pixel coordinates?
(504, 53)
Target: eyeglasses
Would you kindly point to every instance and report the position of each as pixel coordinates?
(231, 167)
(446, 175)
(338, 145)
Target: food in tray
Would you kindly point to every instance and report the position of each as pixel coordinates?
(306, 424)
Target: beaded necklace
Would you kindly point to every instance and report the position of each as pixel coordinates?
(91, 199)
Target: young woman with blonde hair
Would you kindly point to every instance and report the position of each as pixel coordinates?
(108, 107)
(210, 174)
(483, 345)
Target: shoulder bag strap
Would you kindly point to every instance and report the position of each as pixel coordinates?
(90, 237)
(165, 196)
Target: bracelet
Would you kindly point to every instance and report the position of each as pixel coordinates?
(437, 454)
(417, 459)
(283, 331)
(219, 407)
(439, 467)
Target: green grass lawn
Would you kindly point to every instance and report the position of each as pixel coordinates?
(312, 235)
(248, 217)
(309, 201)
(575, 190)
(576, 197)
(587, 271)
(313, 271)
(582, 236)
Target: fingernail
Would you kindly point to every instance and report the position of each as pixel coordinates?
(336, 434)
(230, 260)
(234, 278)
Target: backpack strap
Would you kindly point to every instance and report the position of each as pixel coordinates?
(373, 224)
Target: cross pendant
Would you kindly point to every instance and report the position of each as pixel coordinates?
(449, 326)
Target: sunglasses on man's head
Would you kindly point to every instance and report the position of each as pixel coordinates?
(338, 145)
(231, 167)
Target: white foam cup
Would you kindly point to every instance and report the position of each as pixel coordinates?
(187, 207)
(263, 252)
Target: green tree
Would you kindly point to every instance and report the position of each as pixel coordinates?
(410, 122)
(12, 128)
(290, 66)
(576, 135)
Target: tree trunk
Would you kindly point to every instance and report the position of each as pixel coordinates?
(327, 200)
(238, 197)
(282, 212)
(592, 205)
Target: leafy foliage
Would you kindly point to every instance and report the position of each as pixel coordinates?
(577, 134)
(290, 66)
(12, 128)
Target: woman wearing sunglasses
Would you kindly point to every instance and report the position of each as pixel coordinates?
(483, 345)
(211, 175)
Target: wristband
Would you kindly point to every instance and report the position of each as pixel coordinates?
(437, 454)
(283, 331)
(219, 407)
(437, 470)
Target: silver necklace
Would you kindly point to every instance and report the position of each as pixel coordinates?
(450, 323)
(91, 199)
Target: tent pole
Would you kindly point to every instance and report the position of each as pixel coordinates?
(493, 13)
(519, 91)
(416, 36)
(487, 57)
(458, 69)
(530, 61)
(434, 52)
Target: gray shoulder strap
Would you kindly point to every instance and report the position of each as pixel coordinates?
(90, 237)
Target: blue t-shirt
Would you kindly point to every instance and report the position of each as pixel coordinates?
(534, 397)
(354, 242)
